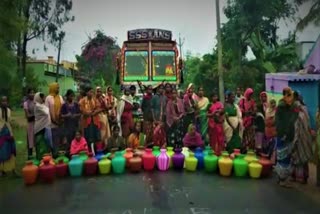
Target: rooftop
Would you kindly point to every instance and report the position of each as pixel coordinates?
(293, 76)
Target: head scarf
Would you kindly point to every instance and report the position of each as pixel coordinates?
(248, 92)
(99, 88)
(189, 86)
(41, 113)
(263, 94)
(107, 89)
(37, 98)
(271, 111)
(127, 98)
(53, 91)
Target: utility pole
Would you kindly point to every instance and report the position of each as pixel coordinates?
(181, 42)
(61, 36)
(220, 69)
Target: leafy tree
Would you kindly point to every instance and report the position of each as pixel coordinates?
(98, 60)
(43, 19)
(251, 25)
(10, 27)
(313, 15)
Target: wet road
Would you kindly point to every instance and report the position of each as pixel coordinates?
(152, 193)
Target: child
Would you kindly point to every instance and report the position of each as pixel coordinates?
(115, 141)
(78, 144)
(136, 138)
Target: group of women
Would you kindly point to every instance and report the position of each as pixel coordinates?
(169, 119)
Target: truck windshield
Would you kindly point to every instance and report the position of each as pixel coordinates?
(163, 65)
(136, 66)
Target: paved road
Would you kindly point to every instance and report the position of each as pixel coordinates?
(152, 193)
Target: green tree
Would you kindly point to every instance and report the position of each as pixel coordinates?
(313, 15)
(98, 61)
(43, 20)
(253, 25)
(10, 27)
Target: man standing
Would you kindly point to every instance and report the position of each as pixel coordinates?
(239, 96)
(158, 107)
(54, 102)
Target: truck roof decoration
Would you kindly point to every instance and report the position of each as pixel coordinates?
(149, 34)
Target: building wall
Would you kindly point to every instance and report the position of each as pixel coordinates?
(65, 82)
(310, 93)
(275, 84)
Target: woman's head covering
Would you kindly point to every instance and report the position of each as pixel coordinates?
(248, 92)
(38, 97)
(53, 89)
(108, 87)
(57, 100)
(189, 86)
(263, 94)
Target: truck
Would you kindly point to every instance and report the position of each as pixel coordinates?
(149, 56)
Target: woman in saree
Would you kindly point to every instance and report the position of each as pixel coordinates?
(193, 139)
(189, 101)
(202, 106)
(248, 109)
(146, 107)
(136, 138)
(286, 117)
(91, 124)
(232, 126)
(216, 119)
(70, 113)
(158, 105)
(7, 142)
(125, 116)
(270, 130)
(54, 102)
(102, 106)
(303, 151)
(28, 107)
(175, 117)
(111, 102)
(42, 129)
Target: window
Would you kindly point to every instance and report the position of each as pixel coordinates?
(164, 66)
(136, 66)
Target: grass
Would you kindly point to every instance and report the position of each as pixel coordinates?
(19, 126)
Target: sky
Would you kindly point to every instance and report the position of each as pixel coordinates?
(194, 20)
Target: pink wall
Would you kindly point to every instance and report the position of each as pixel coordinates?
(278, 84)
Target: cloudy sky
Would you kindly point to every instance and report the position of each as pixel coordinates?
(193, 19)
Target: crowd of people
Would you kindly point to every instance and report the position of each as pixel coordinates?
(100, 121)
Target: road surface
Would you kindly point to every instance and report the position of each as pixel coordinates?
(152, 193)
